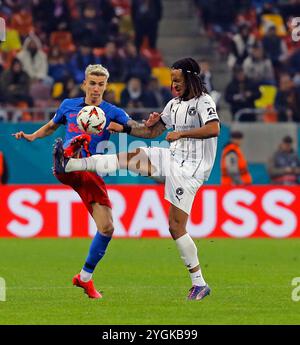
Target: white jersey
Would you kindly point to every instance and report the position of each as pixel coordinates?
(180, 115)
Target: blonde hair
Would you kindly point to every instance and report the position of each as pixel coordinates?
(96, 70)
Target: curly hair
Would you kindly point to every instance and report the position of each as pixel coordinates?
(191, 73)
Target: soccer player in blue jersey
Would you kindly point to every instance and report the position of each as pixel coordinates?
(88, 185)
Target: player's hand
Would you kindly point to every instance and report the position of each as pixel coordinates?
(172, 136)
(21, 134)
(152, 120)
(114, 127)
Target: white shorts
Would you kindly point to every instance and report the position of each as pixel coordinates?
(180, 186)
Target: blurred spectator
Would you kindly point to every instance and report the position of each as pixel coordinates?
(207, 78)
(134, 97)
(90, 27)
(234, 167)
(275, 48)
(113, 62)
(14, 85)
(80, 59)
(146, 15)
(158, 96)
(52, 15)
(58, 69)
(33, 59)
(241, 93)
(257, 67)
(287, 101)
(22, 22)
(135, 65)
(284, 166)
(241, 43)
(218, 16)
(293, 63)
(71, 89)
(107, 11)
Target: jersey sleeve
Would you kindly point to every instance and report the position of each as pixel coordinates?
(166, 115)
(121, 116)
(59, 117)
(207, 110)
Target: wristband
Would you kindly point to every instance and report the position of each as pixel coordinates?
(127, 129)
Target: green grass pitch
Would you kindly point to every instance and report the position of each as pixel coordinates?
(143, 281)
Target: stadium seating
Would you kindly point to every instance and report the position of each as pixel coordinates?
(268, 94)
(117, 88)
(275, 19)
(163, 75)
(62, 39)
(57, 90)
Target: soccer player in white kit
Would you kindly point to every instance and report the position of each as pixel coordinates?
(185, 165)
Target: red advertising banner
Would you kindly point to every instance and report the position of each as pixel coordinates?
(141, 211)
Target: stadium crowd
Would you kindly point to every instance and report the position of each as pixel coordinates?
(49, 44)
(260, 41)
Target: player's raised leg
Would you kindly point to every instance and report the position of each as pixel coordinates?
(102, 216)
(136, 161)
(188, 252)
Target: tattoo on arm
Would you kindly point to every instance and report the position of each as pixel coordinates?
(141, 131)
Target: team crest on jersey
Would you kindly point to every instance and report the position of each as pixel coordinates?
(193, 111)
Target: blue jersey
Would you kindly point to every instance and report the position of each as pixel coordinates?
(67, 112)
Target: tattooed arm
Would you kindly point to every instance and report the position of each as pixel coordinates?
(138, 130)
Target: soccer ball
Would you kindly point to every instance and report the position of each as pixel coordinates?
(91, 119)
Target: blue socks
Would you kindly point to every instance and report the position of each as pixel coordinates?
(97, 251)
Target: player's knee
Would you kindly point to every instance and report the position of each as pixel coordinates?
(131, 155)
(107, 228)
(176, 228)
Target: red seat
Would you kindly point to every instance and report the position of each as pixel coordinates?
(62, 39)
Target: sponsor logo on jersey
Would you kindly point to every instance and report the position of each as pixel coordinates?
(211, 112)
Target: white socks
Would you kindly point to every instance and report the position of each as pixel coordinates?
(189, 255)
(85, 276)
(197, 278)
(102, 164)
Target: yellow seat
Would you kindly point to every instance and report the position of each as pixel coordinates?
(268, 94)
(117, 88)
(57, 90)
(163, 75)
(275, 19)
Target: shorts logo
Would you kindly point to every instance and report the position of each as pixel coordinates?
(193, 111)
(179, 192)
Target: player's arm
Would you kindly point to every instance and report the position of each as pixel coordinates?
(138, 130)
(42, 132)
(209, 130)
